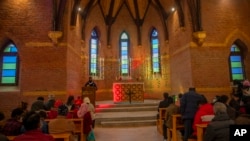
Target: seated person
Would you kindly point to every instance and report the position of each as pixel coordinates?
(171, 110)
(13, 125)
(204, 114)
(218, 128)
(31, 122)
(38, 104)
(244, 119)
(43, 123)
(2, 136)
(61, 124)
(54, 109)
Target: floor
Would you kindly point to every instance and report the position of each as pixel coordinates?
(145, 133)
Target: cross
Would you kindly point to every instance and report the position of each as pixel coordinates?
(129, 93)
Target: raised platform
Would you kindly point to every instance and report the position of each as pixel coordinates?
(109, 114)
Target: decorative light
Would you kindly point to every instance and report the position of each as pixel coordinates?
(79, 9)
(172, 9)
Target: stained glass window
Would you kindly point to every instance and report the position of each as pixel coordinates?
(236, 65)
(124, 54)
(93, 55)
(155, 56)
(9, 65)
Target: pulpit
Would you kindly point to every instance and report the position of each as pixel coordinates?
(89, 92)
(128, 92)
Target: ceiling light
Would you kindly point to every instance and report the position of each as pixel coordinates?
(173, 9)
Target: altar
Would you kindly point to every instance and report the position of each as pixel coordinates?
(128, 92)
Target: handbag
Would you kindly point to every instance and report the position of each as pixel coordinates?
(91, 136)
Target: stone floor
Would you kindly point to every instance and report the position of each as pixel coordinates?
(144, 133)
(147, 133)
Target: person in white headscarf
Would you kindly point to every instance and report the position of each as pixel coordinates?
(91, 108)
(84, 113)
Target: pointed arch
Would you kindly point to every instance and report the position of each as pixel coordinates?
(155, 51)
(94, 53)
(9, 65)
(236, 61)
(124, 54)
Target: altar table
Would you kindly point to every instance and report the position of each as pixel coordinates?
(128, 92)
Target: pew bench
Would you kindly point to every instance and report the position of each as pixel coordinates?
(78, 127)
(64, 136)
(177, 125)
(160, 120)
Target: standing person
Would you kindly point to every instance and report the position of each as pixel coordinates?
(188, 108)
(218, 128)
(13, 125)
(84, 113)
(91, 83)
(163, 104)
(91, 108)
(31, 122)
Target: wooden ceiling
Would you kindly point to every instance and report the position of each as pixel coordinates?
(137, 8)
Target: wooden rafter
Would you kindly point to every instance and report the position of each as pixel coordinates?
(58, 14)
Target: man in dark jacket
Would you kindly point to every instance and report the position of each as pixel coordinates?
(188, 107)
(218, 128)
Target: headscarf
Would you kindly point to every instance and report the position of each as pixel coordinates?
(86, 100)
(83, 110)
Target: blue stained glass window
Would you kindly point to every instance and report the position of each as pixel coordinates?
(236, 64)
(93, 57)
(155, 51)
(124, 54)
(9, 65)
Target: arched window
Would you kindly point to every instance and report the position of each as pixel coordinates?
(155, 53)
(236, 63)
(93, 54)
(124, 55)
(9, 64)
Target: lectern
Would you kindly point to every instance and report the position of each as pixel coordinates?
(89, 92)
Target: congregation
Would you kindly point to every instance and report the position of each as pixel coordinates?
(45, 119)
(217, 115)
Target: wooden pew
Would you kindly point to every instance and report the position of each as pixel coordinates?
(10, 138)
(78, 127)
(64, 136)
(177, 125)
(200, 131)
(160, 120)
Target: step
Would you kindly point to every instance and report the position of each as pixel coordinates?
(110, 105)
(127, 109)
(134, 123)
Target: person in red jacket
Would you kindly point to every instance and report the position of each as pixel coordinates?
(204, 114)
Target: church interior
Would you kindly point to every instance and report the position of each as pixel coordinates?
(54, 46)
